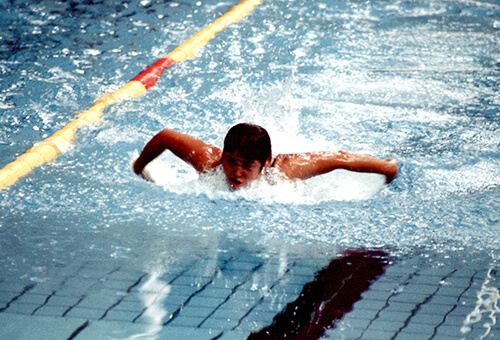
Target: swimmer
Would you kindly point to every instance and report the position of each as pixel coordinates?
(247, 151)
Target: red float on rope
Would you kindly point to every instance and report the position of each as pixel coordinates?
(152, 73)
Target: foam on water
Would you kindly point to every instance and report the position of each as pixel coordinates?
(270, 188)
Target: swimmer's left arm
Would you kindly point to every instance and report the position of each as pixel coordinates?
(202, 156)
(306, 165)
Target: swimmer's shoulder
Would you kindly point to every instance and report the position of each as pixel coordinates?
(208, 158)
(296, 165)
(283, 163)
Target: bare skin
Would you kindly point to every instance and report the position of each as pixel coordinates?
(239, 172)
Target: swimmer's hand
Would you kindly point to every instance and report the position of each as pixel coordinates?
(391, 170)
(143, 172)
(147, 175)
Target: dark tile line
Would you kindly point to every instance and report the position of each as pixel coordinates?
(180, 274)
(73, 306)
(114, 270)
(44, 303)
(245, 280)
(62, 284)
(147, 307)
(471, 281)
(202, 288)
(218, 336)
(263, 296)
(419, 305)
(387, 303)
(24, 291)
(78, 330)
(129, 289)
(82, 297)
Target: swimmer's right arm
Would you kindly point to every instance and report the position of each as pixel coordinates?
(202, 156)
(306, 165)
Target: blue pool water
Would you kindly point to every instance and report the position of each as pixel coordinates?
(415, 80)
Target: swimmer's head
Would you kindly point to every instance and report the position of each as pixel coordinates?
(247, 149)
(251, 142)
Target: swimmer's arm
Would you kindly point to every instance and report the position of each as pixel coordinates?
(202, 156)
(306, 165)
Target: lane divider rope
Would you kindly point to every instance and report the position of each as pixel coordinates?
(48, 149)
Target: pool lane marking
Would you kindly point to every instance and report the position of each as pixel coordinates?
(48, 149)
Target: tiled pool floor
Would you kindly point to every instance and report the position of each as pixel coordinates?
(427, 295)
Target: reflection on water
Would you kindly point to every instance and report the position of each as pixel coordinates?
(327, 298)
(153, 294)
(487, 306)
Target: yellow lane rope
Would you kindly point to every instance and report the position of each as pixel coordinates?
(48, 149)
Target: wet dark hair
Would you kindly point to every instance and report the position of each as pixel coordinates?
(249, 141)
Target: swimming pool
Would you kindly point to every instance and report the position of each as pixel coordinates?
(414, 80)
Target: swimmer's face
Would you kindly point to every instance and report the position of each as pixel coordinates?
(239, 171)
